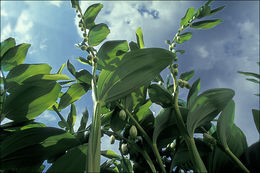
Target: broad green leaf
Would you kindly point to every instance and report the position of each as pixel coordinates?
(184, 37)
(71, 68)
(256, 115)
(14, 56)
(73, 161)
(216, 10)
(6, 45)
(31, 99)
(75, 3)
(225, 123)
(206, 106)
(250, 74)
(144, 111)
(193, 93)
(83, 76)
(91, 14)
(206, 24)
(159, 95)
(136, 69)
(203, 11)
(61, 68)
(22, 72)
(13, 126)
(110, 54)
(71, 119)
(187, 75)
(139, 38)
(97, 34)
(133, 46)
(75, 92)
(110, 154)
(188, 16)
(43, 143)
(253, 80)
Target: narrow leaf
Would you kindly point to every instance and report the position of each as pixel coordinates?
(110, 154)
(250, 74)
(188, 16)
(61, 69)
(253, 80)
(139, 38)
(256, 115)
(91, 14)
(84, 120)
(206, 24)
(72, 117)
(193, 92)
(71, 68)
(216, 10)
(187, 75)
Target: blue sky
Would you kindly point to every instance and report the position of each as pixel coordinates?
(215, 54)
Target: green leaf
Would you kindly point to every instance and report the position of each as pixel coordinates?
(84, 120)
(75, 92)
(188, 16)
(22, 72)
(83, 60)
(253, 80)
(42, 143)
(72, 117)
(61, 68)
(144, 111)
(48, 77)
(91, 14)
(110, 54)
(208, 2)
(136, 69)
(256, 115)
(159, 95)
(187, 75)
(83, 76)
(14, 56)
(133, 46)
(139, 38)
(250, 74)
(203, 11)
(193, 93)
(206, 24)
(74, 3)
(73, 161)
(71, 68)
(6, 45)
(110, 154)
(14, 126)
(97, 34)
(206, 106)
(31, 99)
(225, 123)
(216, 10)
(184, 37)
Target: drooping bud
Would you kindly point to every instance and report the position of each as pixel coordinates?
(112, 139)
(175, 66)
(175, 72)
(122, 115)
(181, 83)
(84, 47)
(124, 149)
(133, 132)
(194, 17)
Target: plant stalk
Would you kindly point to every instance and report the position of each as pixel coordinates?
(149, 141)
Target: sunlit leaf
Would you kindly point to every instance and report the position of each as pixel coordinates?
(187, 75)
(206, 24)
(75, 92)
(6, 45)
(97, 34)
(184, 37)
(206, 107)
(144, 111)
(72, 117)
(91, 14)
(203, 11)
(136, 69)
(139, 38)
(110, 154)
(188, 16)
(71, 68)
(83, 76)
(14, 56)
(61, 68)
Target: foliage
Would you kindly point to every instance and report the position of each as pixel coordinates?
(125, 81)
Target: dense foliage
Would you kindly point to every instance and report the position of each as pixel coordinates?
(197, 133)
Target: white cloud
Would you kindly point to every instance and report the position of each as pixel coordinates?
(6, 32)
(56, 3)
(47, 116)
(202, 52)
(4, 13)
(24, 24)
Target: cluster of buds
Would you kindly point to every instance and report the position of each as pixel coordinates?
(183, 83)
(175, 69)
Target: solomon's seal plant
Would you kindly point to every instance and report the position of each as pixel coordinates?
(125, 81)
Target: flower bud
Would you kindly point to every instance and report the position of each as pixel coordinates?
(112, 139)
(84, 47)
(122, 115)
(175, 72)
(172, 145)
(175, 66)
(124, 149)
(178, 38)
(84, 35)
(194, 17)
(95, 60)
(79, 15)
(133, 132)
(181, 83)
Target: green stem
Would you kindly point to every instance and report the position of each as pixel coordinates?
(58, 113)
(235, 159)
(149, 141)
(196, 159)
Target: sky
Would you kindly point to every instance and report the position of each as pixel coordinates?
(215, 54)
